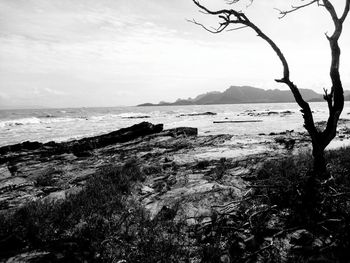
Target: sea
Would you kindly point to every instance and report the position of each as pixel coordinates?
(249, 120)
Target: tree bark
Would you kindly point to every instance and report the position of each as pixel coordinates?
(319, 165)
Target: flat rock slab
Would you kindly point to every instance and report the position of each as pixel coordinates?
(4, 172)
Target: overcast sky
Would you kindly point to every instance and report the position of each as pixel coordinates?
(72, 53)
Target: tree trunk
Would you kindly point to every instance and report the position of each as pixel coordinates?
(320, 169)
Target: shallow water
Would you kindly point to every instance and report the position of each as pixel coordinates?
(64, 124)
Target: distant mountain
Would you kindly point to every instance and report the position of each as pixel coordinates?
(246, 94)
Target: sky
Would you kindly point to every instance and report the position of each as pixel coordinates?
(88, 53)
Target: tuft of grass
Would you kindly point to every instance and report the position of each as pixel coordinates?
(46, 178)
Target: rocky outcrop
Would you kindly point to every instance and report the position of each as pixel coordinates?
(81, 147)
(187, 176)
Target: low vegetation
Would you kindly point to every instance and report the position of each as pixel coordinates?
(287, 216)
(100, 224)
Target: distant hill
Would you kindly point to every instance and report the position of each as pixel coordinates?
(246, 94)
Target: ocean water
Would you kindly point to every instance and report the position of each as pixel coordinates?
(73, 123)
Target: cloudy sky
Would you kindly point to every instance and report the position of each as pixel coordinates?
(73, 53)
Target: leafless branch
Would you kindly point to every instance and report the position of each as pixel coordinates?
(236, 28)
(221, 27)
(346, 11)
(283, 13)
(329, 98)
(231, 2)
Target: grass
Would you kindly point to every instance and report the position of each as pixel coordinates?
(100, 224)
(46, 178)
(105, 223)
(298, 200)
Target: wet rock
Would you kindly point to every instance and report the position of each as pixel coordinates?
(27, 145)
(83, 146)
(208, 113)
(287, 112)
(137, 117)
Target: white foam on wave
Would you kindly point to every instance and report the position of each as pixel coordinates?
(132, 114)
(17, 122)
(35, 121)
(125, 115)
(104, 117)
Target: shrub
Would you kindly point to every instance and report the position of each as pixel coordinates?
(46, 178)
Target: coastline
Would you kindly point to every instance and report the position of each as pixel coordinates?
(22, 163)
(182, 169)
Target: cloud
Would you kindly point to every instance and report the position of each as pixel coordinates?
(111, 52)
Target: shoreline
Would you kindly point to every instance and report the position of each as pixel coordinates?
(199, 175)
(73, 161)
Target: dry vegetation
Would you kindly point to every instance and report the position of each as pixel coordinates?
(289, 216)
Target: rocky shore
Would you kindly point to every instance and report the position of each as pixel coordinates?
(199, 175)
(33, 170)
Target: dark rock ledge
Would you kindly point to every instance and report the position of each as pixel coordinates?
(82, 146)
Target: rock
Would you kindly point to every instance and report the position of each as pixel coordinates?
(225, 258)
(145, 190)
(27, 145)
(82, 154)
(4, 172)
(251, 243)
(120, 136)
(166, 213)
(287, 112)
(137, 117)
(55, 196)
(12, 183)
(208, 113)
(301, 237)
(183, 131)
(82, 147)
(288, 142)
(33, 256)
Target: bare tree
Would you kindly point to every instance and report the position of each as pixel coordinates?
(232, 19)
